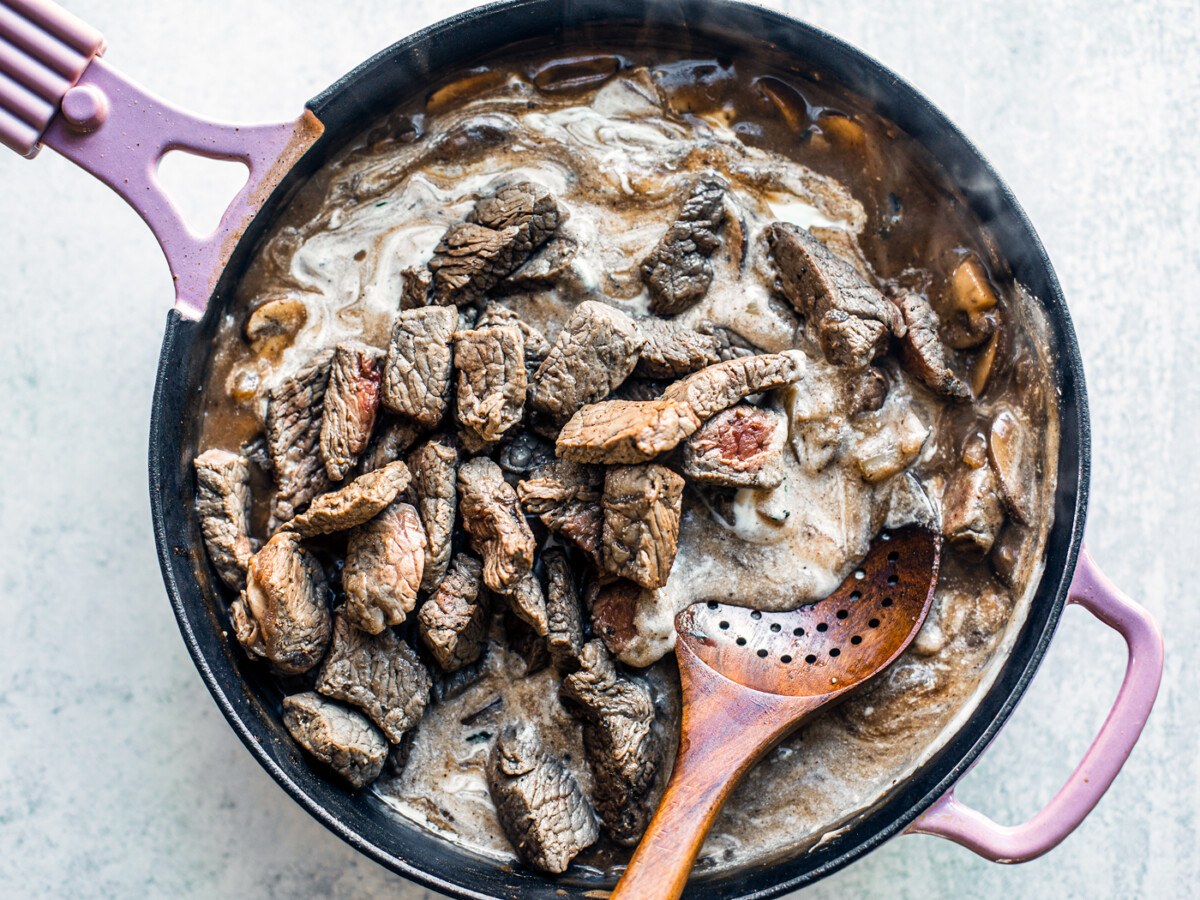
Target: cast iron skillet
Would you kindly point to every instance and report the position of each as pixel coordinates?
(279, 163)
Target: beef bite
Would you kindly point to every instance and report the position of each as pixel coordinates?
(417, 374)
(283, 614)
(359, 501)
(537, 348)
(491, 383)
(595, 351)
(341, 738)
(351, 405)
(453, 622)
(501, 232)
(380, 674)
(623, 751)
(499, 533)
(642, 506)
(672, 350)
(718, 387)
(223, 505)
(738, 447)
(921, 349)
(564, 617)
(543, 812)
(294, 413)
(435, 495)
(626, 431)
(849, 318)
(385, 560)
(677, 272)
(565, 495)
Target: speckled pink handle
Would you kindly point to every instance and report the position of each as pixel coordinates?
(951, 819)
(54, 90)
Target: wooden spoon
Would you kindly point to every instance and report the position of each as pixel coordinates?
(750, 678)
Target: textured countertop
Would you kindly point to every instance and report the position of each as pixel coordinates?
(118, 776)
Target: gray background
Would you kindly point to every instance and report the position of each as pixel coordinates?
(119, 778)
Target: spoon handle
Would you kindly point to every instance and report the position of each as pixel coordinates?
(727, 728)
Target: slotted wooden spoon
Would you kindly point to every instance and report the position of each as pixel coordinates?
(750, 678)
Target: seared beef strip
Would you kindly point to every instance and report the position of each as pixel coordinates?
(921, 349)
(341, 738)
(540, 806)
(491, 382)
(417, 374)
(417, 282)
(294, 412)
(850, 319)
(354, 504)
(642, 505)
(499, 235)
(435, 495)
(222, 505)
(618, 735)
(351, 404)
(564, 618)
(565, 495)
(379, 674)
(392, 439)
(544, 268)
(283, 614)
(499, 533)
(677, 272)
(596, 350)
(385, 558)
(537, 348)
(972, 513)
(738, 447)
(453, 622)
(626, 431)
(717, 387)
(528, 603)
(613, 606)
(672, 350)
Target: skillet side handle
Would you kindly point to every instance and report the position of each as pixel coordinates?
(952, 819)
(63, 95)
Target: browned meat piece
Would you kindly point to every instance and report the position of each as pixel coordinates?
(677, 272)
(283, 614)
(565, 495)
(351, 404)
(526, 643)
(921, 349)
(623, 751)
(354, 504)
(537, 348)
(545, 267)
(972, 513)
(414, 293)
(391, 441)
(379, 674)
(672, 350)
(524, 453)
(642, 505)
(453, 622)
(849, 318)
(564, 618)
(499, 533)
(341, 738)
(731, 344)
(385, 559)
(718, 387)
(626, 431)
(865, 394)
(294, 412)
(527, 600)
(543, 812)
(1007, 452)
(436, 498)
(738, 447)
(417, 375)
(596, 350)
(614, 608)
(223, 504)
(499, 235)
(491, 380)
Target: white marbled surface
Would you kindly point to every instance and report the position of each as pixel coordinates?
(119, 778)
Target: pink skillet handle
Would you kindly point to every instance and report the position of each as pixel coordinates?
(951, 819)
(55, 90)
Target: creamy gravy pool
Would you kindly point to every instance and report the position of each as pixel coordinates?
(619, 144)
